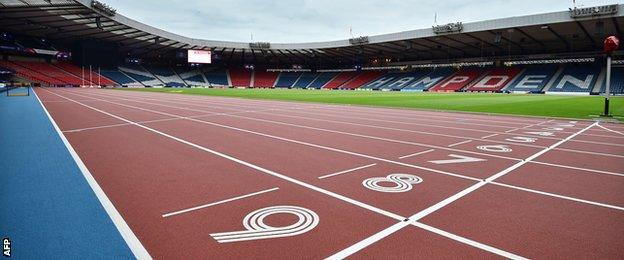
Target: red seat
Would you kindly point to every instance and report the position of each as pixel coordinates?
(94, 76)
(495, 80)
(240, 77)
(457, 81)
(341, 79)
(265, 79)
(362, 79)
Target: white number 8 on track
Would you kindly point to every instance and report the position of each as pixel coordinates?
(403, 182)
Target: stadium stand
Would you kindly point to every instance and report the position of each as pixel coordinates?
(217, 77)
(341, 79)
(495, 80)
(533, 78)
(617, 81)
(361, 79)
(191, 77)
(139, 74)
(166, 75)
(457, 81)
(306, 79)
(403, 80)
(93, 75)
(241, 77)
(264, 79)
(120, 78)
(30, 75)
(322, 79)
(287, 79)
(427, 81)
(52, 74)
(576, 78)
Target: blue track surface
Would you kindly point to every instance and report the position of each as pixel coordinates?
(48, 209)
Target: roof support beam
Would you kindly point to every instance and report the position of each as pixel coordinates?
(589, 37)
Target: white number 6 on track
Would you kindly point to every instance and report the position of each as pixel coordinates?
(257, 229)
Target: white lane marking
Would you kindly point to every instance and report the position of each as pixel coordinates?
(488, 136)
(521, 139)
(131, 239)
(312, 145)
(529, 126)
(337, 122)
(495, 148)
(125, 124)
(343, 254)
(460, 143)
(467, 241)
(217, 203)
(416, 217)
(402, 183)
(610, 130)
(416, 154)
(588, 152)
(256, 229)
(459, 159)
(560, 196)
(250, 165)
(578, 168)
(347, 171)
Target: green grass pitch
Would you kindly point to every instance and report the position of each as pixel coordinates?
(563, 106)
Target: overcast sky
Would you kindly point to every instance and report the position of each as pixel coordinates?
(320, 20)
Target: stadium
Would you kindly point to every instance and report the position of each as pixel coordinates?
(499, 138)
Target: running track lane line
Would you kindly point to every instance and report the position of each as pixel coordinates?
(347, 171)
(610, 130)
(131, 239)
(171, 214)
(337, 196)
(250, 165)
(313, 145)
(416, 217)
(358, 124)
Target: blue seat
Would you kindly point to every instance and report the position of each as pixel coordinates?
(305, 79)
(428, 80)
(287, 79)
(217, 77)
(577, 78)
(117, 76)
(533, 78)
(322, 79)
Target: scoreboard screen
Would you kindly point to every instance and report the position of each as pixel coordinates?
(197, 56)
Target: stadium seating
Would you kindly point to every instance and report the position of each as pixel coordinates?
(533, 78)
(495, 80)
(322, 79)
(191, 77)
(576, 78)
(305, 80)
(426, 81)
(341, 79)
(138, 73)
(166, 75)
(264, 79)
(53, 74)
(361, 79)
(402, 80)
(287, 79)
(457, 81)
(120, 78)
(617, 81)
(240, 77)
(217, 77)
(93, 75)
(30, 75)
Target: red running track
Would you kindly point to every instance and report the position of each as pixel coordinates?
(185, 172)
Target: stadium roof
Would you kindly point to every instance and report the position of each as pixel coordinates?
(557, 34)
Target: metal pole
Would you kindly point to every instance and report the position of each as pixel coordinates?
(99, 77)
(608, 87)
(90, 77)
(82, 76)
